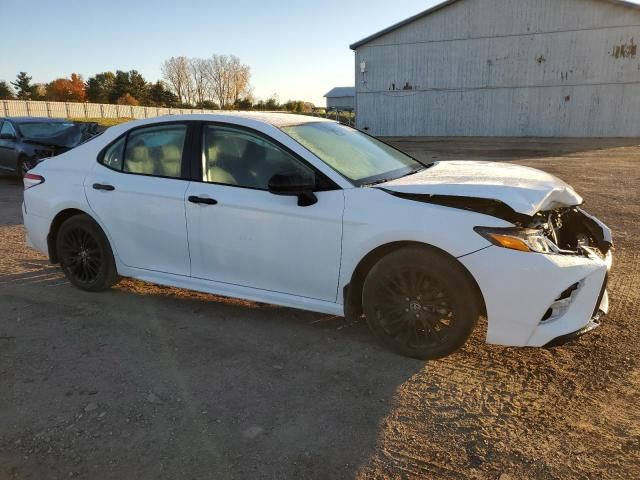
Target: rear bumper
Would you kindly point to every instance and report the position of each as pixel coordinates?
(535, 299)
(36, 229)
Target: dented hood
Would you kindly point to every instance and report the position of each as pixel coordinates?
(526, 190)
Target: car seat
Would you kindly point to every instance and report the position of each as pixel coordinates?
(139, 161)
(170, 161)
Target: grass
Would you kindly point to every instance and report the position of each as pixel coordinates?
(105, 122)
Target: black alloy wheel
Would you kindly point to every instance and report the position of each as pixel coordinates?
(420, 302)
(85, 254)
(81, 255)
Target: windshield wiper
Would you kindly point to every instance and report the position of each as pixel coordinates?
(383, 180)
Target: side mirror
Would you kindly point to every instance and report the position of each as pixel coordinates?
(294, 185)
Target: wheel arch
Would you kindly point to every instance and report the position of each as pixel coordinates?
(61, 217)
(352, 291)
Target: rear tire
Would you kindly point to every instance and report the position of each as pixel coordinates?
(421, 303)
(85, 254)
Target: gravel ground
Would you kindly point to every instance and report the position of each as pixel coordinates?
(151, 382)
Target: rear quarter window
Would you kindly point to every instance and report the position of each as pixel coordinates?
(113, 155)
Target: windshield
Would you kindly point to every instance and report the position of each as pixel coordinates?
(355, 155)
(43, 129)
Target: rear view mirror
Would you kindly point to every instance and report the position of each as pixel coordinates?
(295, 185)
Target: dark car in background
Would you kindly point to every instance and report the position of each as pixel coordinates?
(24, 141)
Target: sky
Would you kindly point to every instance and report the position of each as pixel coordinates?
(296, 49)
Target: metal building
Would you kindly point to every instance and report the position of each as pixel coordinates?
(565, 68)
(341, 98)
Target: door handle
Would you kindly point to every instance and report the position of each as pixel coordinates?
(103, 186)
(202, 200)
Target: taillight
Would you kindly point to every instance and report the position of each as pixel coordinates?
(31, 180)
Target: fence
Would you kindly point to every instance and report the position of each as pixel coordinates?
(25, 108)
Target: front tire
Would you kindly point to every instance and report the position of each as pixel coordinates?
(85, 254)
(421, 303)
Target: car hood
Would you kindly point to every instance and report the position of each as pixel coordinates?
(526, 190)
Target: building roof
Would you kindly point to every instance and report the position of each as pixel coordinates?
(440, 6)
(341, 92)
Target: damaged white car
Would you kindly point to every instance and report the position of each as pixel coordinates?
(307, 213)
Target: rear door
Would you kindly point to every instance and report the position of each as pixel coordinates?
(137, 191)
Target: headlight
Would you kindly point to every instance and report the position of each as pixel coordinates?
(515, 238)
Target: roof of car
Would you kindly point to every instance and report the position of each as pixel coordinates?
(36, 119)
(277, 119)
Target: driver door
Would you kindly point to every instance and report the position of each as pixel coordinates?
(241, 234)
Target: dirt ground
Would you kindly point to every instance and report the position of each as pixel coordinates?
(150, 382)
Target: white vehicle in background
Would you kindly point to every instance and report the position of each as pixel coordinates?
(307, 213)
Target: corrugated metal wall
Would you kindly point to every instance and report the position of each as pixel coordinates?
(565, 68)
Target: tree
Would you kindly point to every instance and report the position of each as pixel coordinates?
(59, 90)
(272, 103)
(23, 86)
(131, 82)
(228, 79)
(138, 86)
(38, 91)
(209, 105)
(100, 87)
(245, 103)
(176, 72)
(198, 80)
(160, 96)
(127, 99)
(67, 89)
(298, 106)
(5, 91)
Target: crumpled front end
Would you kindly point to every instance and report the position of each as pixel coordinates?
(536, 299)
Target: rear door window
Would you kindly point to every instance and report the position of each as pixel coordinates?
(156, 151)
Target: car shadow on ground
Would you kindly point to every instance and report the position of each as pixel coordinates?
(230, 388)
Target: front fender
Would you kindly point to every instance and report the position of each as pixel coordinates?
(374, 218)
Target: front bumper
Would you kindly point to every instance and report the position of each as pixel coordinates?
(526, 297)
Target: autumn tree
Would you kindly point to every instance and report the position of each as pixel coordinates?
(23, 86)
(67, 89)
(6, 93)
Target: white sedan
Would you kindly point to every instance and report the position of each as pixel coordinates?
(308, 213)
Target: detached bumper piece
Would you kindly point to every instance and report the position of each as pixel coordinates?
(592, 325)
(563, 339)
